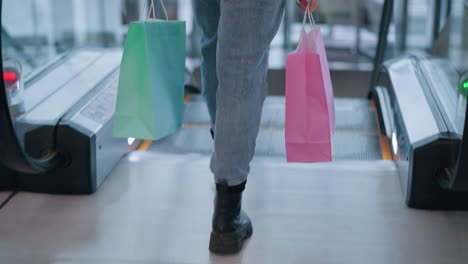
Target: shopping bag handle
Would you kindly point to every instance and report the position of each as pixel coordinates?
(312, 22)
(311, 19)
(152, 9)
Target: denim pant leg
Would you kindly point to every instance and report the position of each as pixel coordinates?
(207, 13)
(246, 29)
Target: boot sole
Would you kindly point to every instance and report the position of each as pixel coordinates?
(230, 243)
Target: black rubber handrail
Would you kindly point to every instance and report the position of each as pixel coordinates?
(12, 155)
(385, 20)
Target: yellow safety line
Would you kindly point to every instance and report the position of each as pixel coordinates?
(385, 148)
(147, 143)
(383, 140)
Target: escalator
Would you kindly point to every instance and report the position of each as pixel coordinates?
(422, 108)
(60, 141)
(66, 124)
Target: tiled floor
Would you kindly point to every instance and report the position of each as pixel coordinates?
(156, 208)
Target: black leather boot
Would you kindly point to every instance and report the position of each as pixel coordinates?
(231, 225)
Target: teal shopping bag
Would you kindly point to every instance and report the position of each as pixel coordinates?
(151, 84)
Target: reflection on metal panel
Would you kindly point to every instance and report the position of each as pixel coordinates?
(403, 75)
(72, 90)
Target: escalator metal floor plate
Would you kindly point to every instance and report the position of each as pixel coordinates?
(351, 114)
(356, 137)
(346, 145)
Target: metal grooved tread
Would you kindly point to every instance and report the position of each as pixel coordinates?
(351, 114)
(356, 137)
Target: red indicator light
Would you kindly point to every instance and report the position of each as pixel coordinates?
(10, 77)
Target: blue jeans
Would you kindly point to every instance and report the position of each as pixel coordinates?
(236, 35)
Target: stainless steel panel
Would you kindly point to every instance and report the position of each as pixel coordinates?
(412, 102)
(99, 110)
(108, 152)
(73, 90)
(443, 82)
(59, 77)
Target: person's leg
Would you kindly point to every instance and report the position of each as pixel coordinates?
(246, 30)
(207, 13)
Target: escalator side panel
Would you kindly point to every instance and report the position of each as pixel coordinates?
(39, 140)
(414, 110)
(44, 84)
(424, 191)
(96, 119)
(460, 181)
(419, 147)
(107, 153)
(89, 159)
(67, 180)
(84, 138)
(71, 92)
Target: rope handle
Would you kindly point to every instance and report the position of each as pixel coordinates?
(312, 22)
(152, 10)
(311, 18)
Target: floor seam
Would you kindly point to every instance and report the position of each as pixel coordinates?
(8, 199)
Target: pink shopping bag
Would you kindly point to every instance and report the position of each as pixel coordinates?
(310, 109)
